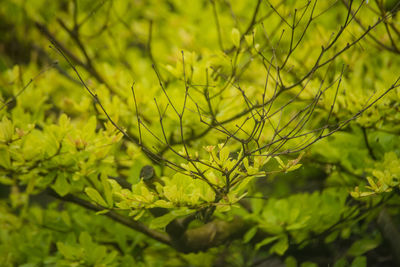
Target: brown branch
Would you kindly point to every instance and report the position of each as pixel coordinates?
(197, 239)
(221, 46)
(370, 151)
(88, 66)
(14, 98)
(375, 39)
(135, 225)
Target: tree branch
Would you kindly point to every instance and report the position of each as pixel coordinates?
(135, 225)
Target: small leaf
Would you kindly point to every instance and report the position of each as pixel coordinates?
(360, 247)
(359, 262)
(68, 251)
(102, 212)
(65, 216)
(107, 190)
(5, 158)
(242, 185)
(249, 235)
(61, 186)
(281, 246)
(137, 215)
(90, 128)
(209, 149)
(281, 164)
(290, 262)
(64, 121)
(235, 35)
(85, 240)
(96, 256)
(162, 221)
(372, 184)
(331, 237)
(6, 130)
(224, 154)
(110, 257)
(246, 163)
(266, 241)
(116, 187)
(292, 168)
(249, 39)
(341, 263)
(308, 264)
(94, 195)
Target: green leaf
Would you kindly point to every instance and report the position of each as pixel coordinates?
(6, 130)
(116, 187)
(5, 158)
(61, 186)
(249, 39)
(359, 247)
(372, 184)
(102, 212)
(90, 128)
(235, 35)
(290, 262)
(249, 234)
(110, 257)
(308, 264)
(341, 263)
(6, 180)
(359, 262)
(331, 237)
(86, 240)
(224, 154)
(97, 255)
(281, 164)
(68, 251)
(66, 217)
(94, 195)
(64, 121)
(281, 246)
(266, 241)
(107, 190)
(162, 221)
(294, 167)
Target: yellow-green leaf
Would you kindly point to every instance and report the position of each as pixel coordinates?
(235, 35)
(107, 190)
(5, 158)
(281, 164)
(61, 185)
(266, 241)
(6, 130)
(94, 195)
(294, 167)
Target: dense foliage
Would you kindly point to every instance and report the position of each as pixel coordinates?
(199, 133)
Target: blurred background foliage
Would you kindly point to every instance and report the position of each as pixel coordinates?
(340, 208)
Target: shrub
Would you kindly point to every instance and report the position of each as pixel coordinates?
(223, 133)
